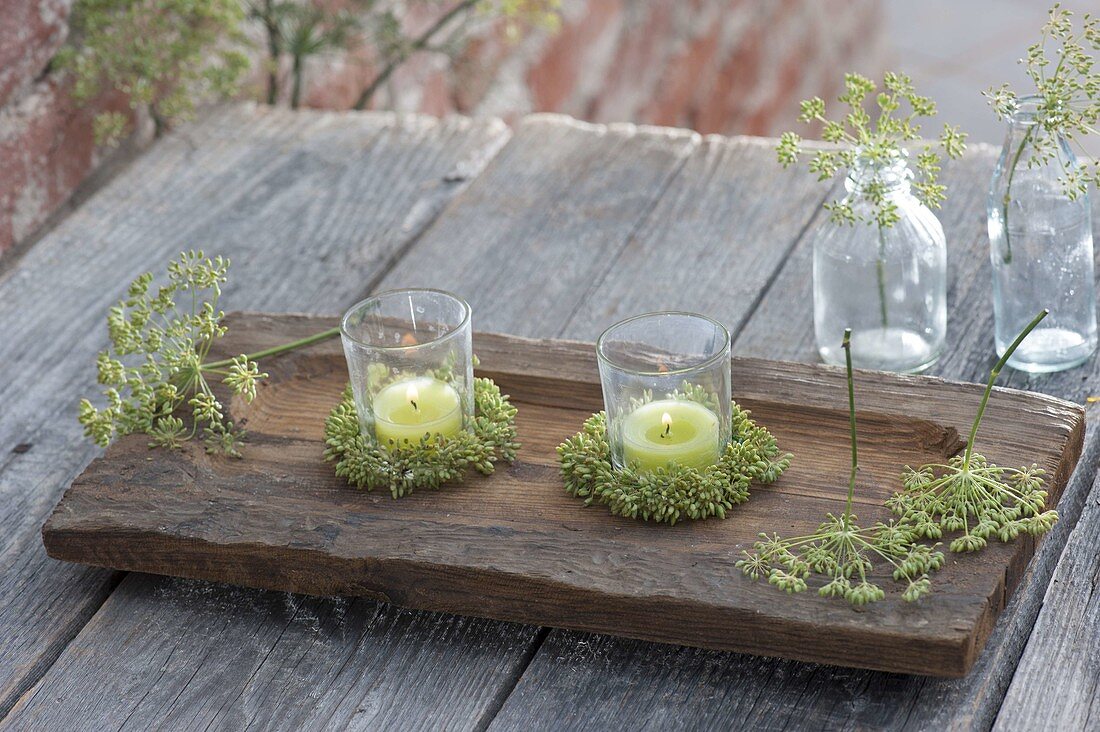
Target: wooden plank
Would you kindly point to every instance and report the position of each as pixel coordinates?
(233, 650)
(293, 199)
(1066, 638)
(718, 236)
(546, 222)
(673, 684)
(514, 546)
(649, 161)
(975, 701)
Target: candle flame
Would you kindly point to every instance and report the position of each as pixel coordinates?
(408, 339)
(413, 395)
(666, 420)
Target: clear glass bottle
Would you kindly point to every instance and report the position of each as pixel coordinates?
(888, 284)
(1041, 250)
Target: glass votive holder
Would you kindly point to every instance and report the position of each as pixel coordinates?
(409, 357)
(666, 390)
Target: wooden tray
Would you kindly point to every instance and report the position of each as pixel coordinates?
(516, 547)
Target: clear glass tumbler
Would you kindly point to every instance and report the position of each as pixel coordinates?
(888, 284)
(1041, 249)
(410, 360)
(666, 390)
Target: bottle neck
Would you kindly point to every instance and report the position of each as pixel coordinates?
(1035, 114)
(891, 177)
(1025, 118)
(1027, 131)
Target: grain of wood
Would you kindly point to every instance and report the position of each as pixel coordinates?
(973, 702)
(198, 655)
(722, 230)
(657, 687)
(547, 220)
(311, 207)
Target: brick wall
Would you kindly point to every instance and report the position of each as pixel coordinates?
(731, 66)
(46, 145)
(725, 66)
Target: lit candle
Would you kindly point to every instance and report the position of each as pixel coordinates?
(407, 410)
(670, 430)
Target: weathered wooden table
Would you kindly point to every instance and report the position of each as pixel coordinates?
(554, 229)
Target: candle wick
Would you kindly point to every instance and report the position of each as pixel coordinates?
(413, 402)
(668, 428)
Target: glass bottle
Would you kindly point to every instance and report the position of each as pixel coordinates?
(1041, 249)
(888, 284)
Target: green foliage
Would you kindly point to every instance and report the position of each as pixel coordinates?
(169, 56)
(165, 55)
(448, 35)
(1067, 95)
(298, 31)
(435, 460)
(521, 14)
(875, 144)
(672, 493)
(1066, 106)
(301, 30)
(971, 494)
(842, 551)
(155, 363)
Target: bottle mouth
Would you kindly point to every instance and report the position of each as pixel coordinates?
(1026, 110)
(1029, 109)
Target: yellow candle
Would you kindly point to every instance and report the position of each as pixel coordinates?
(407, 410)
(670, 430)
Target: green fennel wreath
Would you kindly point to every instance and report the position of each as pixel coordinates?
(366, 463)
(675, 492)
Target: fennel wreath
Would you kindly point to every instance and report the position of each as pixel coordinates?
(365, 462)
(672, 493)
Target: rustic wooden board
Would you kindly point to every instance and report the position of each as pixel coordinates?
(547, 220)
(826, 697)
(515, 547)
